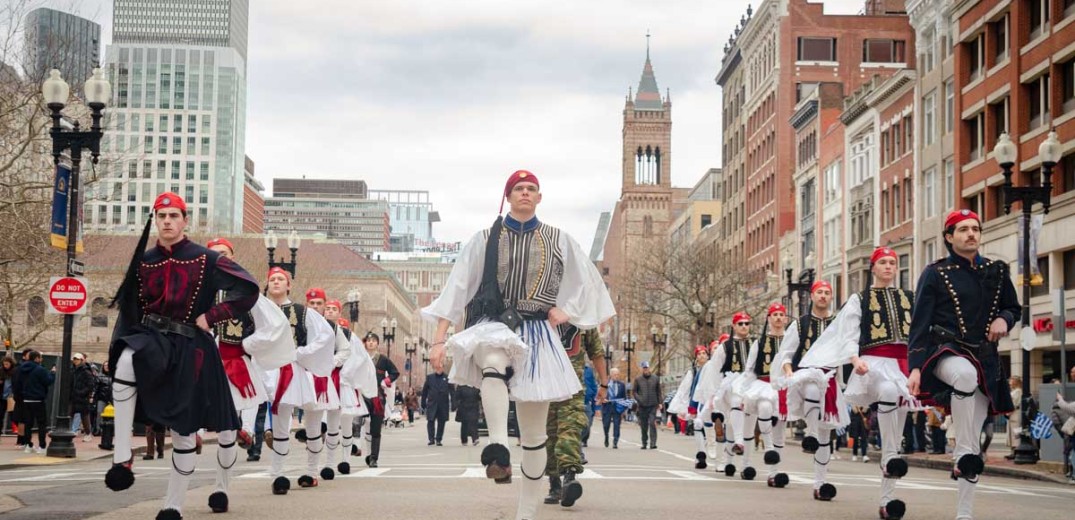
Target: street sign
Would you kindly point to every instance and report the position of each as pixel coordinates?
(76, 268)
(67, 295)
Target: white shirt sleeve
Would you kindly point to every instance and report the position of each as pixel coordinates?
(317, 355)
(272, 344)
(462, 284)
(343, 348)
(839, 341)
(583, 295)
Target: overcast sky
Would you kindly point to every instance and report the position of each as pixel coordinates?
(436, 96)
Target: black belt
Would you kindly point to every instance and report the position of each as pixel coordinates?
(169, 326)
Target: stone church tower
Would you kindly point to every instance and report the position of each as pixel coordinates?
(647, 203)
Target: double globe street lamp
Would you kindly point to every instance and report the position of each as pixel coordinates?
(1006, 153)
(55, 92)
(293, 242)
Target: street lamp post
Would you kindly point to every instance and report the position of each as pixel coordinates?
(425, 361)
(388, 332)
(806, 279)
(354, 298)
(55, 92)
(292, 244)
(660, 339)
(411, 347)
(629, 341)
(608, 359)
(1006, 153)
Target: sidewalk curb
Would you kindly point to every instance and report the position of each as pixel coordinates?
(206, 441)
(946, 465)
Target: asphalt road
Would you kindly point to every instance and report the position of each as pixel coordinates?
(419, 481)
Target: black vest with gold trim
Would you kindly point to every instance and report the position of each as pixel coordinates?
(810, 327)
(235, 330)
(768, 345)
(734, 354)
(296, 317)
(886, 317)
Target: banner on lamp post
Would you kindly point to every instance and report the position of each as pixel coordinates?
(1035, 230)
(61, 191)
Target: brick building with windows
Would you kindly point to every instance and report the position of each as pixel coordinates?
(783, 51)
(1015, 72)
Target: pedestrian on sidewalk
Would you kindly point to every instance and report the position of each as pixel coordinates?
(647, 392)
(411, 403)
(611, 414)
(32, 389)
(83, 384)
(154, 441)
(467, 402)
(589, 401)
(436, 400)
(935, 421)
(859, 430)
(7, 371)
(18, 422)
(102, 394)
(1015, 419)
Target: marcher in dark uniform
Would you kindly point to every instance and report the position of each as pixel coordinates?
(467, 403)
(385, 369)
(965, 304)
(167, 368)
(436, 401)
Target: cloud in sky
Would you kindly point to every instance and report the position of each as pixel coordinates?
(452, 97)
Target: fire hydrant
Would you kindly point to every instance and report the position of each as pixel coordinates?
(108, 426)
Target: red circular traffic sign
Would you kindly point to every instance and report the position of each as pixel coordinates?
(67, 295)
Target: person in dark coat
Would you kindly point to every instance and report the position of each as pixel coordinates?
(467, 405)
(83, 382)
(436, 400)
(32, 389)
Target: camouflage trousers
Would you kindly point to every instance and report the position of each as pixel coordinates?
(564, 427)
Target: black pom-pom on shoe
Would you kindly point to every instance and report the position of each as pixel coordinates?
(497, 461)
(169, 514)
(119, 477)
(894, 510)
(218, 502)
(328, 474)
(825, 493)
(779, 480)
(729, 470)
(749, 473)
(701, 463)
(810, 444)
(969, 467)
(344, 468)
(307, 481)
(772, 457)
(280, 486)
(301, 436)
(896, 468)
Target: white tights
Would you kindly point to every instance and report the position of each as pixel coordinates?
(969, 412)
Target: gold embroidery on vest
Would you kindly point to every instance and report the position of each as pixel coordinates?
(874, 304)
(878, 329)
(235, 329)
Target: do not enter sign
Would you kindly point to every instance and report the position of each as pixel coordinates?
(67, 295)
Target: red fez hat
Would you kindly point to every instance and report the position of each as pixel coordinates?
(740, 316)
(819, 284)
(344, 322)
(777, 307)
(315, 292)
(279, 270)
(333, 303)
(516, 178)
(220, 242)
(880, 253)
(170, 200)
(958, 216)
(700, 348)
(719, 341)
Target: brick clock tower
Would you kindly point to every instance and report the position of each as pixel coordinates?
(644, 211)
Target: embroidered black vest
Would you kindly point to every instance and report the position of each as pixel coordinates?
(886, 317)
(810, 328)
(769, 346)
(296, 316)
(233, 331)
(734, 350)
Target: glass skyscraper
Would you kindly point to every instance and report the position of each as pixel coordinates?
(177, 121)
(59, 40)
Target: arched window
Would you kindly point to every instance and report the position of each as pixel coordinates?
(99, 312)
(35, 311)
